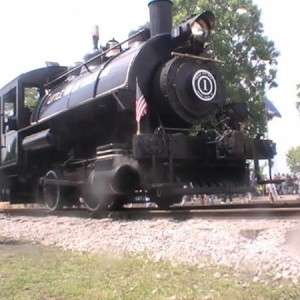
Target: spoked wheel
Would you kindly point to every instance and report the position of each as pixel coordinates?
(52, 193)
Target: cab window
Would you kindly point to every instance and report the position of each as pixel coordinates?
(9, 108)
(31, 97)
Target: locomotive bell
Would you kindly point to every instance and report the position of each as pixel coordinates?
(115, 49)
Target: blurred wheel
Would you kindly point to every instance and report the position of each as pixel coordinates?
(52, 192)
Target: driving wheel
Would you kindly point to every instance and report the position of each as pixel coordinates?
(52, 192)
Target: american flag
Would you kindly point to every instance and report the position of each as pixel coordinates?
(140, 104)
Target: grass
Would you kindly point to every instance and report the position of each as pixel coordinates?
(36, 272)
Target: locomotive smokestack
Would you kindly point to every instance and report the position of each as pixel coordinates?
(160, 16)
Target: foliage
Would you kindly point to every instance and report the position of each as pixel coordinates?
(250, 57)
(31, 96)
(293, 159)
(36, 272)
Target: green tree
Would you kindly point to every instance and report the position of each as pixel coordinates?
(31, 96)
(238, 39)
(293, 159)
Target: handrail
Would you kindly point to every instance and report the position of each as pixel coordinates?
(92, 59)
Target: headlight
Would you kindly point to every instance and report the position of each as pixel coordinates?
(197, 26)
(200, 30)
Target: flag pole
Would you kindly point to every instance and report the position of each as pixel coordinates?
(267, 118)
(270, 111)
(267, 135)
(269, 159)
(138, 131)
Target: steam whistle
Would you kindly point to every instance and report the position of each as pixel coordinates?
(95, 33)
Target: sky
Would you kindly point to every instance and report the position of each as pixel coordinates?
(281, 25)
(35, 31)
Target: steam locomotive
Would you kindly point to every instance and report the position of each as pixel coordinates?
(143, 119)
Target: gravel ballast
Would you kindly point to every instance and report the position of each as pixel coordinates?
(260, 247)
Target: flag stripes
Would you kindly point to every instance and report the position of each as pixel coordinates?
(140, 104)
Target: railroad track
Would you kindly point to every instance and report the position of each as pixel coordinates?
(287, 208)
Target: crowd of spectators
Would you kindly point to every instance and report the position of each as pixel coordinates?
(287, 185)
(284, 184)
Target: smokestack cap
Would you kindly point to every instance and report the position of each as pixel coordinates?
(152, 1)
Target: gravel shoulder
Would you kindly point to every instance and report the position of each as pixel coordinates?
(259, 247)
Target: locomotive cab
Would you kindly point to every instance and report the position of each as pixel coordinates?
(18, 100)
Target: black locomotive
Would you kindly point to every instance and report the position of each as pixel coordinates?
(145, 118)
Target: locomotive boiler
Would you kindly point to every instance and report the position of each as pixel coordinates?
(147, 117)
